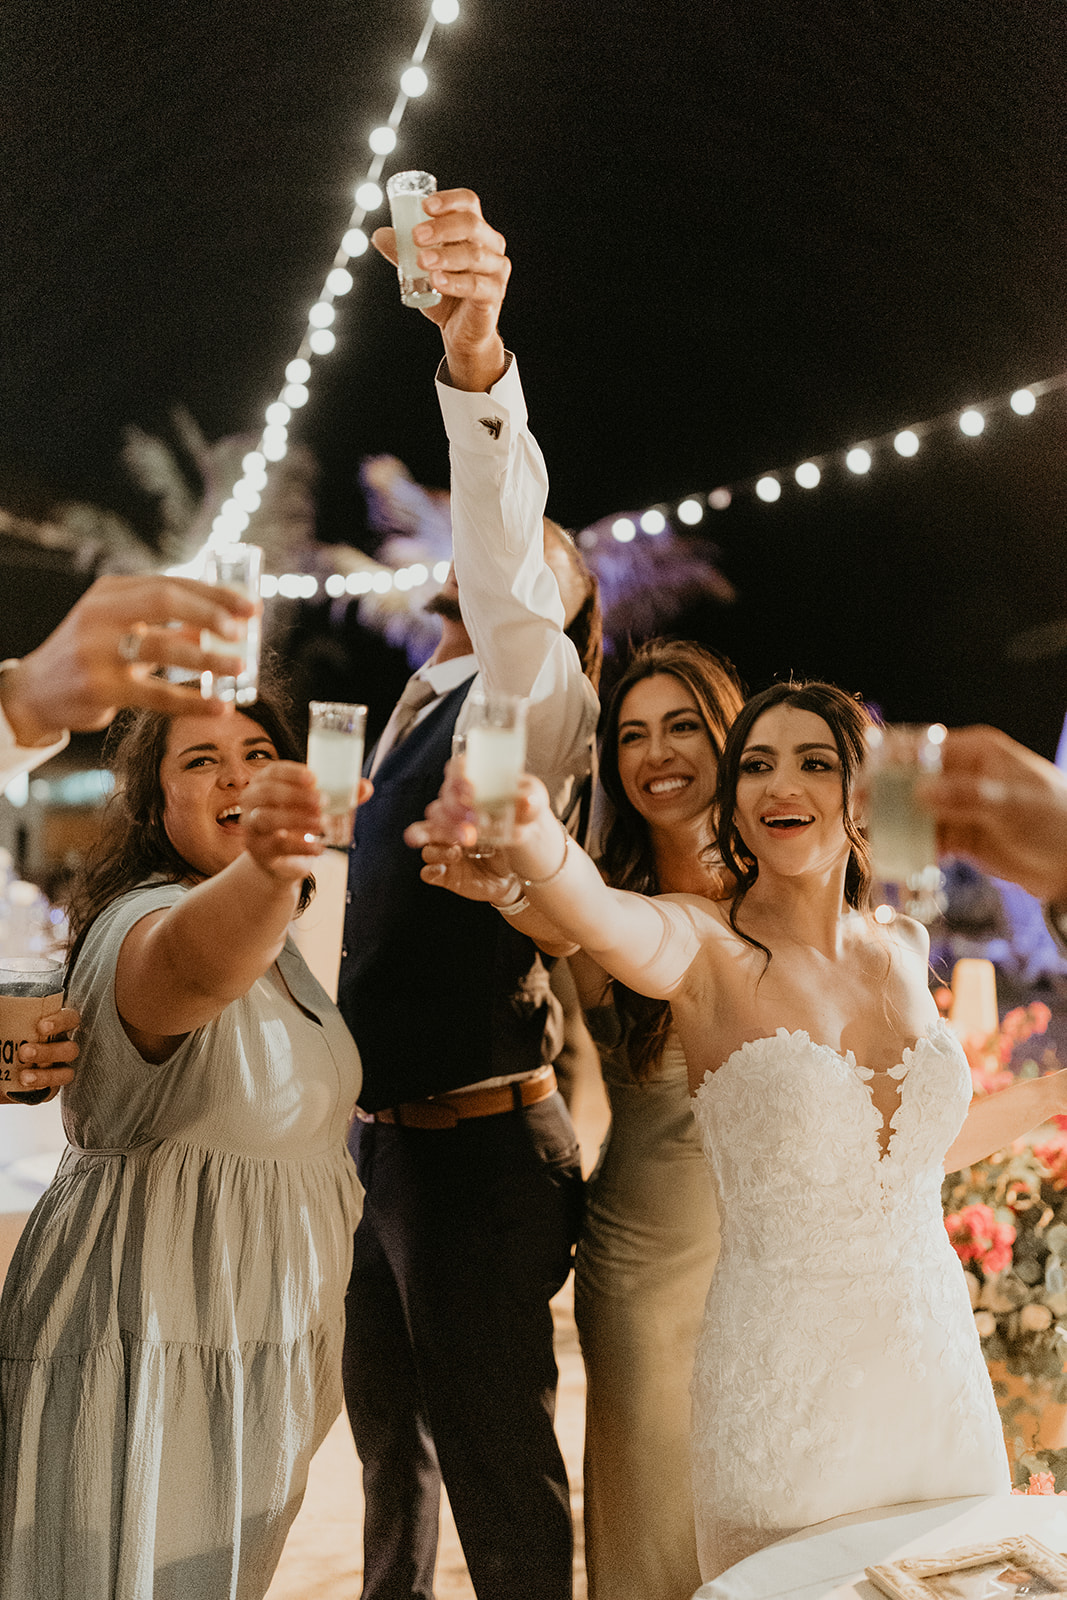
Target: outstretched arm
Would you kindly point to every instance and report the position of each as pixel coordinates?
(104, 652)
(179, 968)
(508, 594)
(995, 1120)
(648, 944)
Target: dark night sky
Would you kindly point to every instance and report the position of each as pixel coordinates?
(743, 234)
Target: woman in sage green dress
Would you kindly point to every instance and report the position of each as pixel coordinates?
(171, 1326)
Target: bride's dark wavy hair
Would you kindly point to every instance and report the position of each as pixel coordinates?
(132, 843)
(627, 859)
(848, 720)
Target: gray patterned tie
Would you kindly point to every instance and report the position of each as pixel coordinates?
(417, 693)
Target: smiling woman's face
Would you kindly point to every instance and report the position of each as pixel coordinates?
(208, 764)
(667, 762)
(790, 796)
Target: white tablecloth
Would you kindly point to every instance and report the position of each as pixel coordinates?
(827, 1562)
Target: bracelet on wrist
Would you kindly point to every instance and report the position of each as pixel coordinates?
(541, 883)
(513, 907)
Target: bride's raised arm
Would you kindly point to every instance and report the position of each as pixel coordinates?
(648, 944)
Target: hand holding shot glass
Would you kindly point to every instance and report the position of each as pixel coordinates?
(902, 836)
(335, 756)
(406, 191)
(31, 987)
(494, 750)
(235, 566)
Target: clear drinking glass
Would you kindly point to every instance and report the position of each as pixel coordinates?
(903, 837)
(30, 988)
(335, 756)
(234, 566)
(495, 753)
(406, 191)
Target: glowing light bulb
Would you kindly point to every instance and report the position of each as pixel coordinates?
(623, 530)
(653, 522)
(808, 475)
(1023, 402)
(335, 585)
(441, 570)
(274, 433)
(355, 243)
(414, 82)
(972, 423)
(268, 586)
(690, 512)
(298, 371)
(321, 314)
(445, 10)
(289, 586)
(884, 913)
(236, 521)
(275, 449)
(858, 460)
(253, 461)
(358, 583)
(719, 499)
(309, 587)
(278, 414)
(295, 395)
(382, 141)
(339, 281)
(419, 574)
(768, 489)
(369, 196)
(383, 582)
(245, 496)
(906, 442)
(322, 341)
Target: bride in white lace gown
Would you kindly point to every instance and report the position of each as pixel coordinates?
(838, 1367)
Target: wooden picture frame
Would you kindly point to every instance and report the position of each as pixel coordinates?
(1035, 1569)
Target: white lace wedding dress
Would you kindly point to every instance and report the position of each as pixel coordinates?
(838, 1366)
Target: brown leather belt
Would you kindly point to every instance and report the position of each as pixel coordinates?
(445, 1110)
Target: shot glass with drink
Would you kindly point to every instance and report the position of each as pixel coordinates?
(902, 836)
(240, 567)
(31, 987)
(495, 756)
(406, 191)
(335, 756)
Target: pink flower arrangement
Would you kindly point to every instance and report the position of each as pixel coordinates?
(1040, 1483)
(989, 1058)
(976, 1235)
(1053, 1153)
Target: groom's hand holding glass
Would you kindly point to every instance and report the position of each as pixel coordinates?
(466, 263)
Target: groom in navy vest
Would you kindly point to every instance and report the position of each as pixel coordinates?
(464, 1146)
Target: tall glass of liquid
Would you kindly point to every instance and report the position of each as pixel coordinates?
(30, 988)
(903, 837)
(240, 567)
(406, 191)
(335, 756)
(495, 755)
